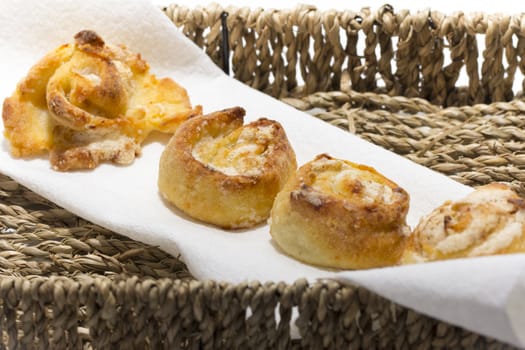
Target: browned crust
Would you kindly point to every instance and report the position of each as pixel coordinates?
(193, 130)
(69, 115)
(72, 159)
(212, 196)
(339, 233)
(457, 219)
(378, 216)
(89, 37)
(93, 89)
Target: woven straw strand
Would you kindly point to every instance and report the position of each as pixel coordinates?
(70, 284)
(474, 145)
(269, 47)
(168, 314)
(30, 246)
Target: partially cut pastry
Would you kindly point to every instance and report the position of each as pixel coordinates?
(219, 171)
(490, 220)
(90, 102)
(338, 214)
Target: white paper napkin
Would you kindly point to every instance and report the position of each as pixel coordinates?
(483, 295)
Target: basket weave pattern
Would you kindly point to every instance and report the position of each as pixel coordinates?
(67, 283)
(473, 133)
(341, 50)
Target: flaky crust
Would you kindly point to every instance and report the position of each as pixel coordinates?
(334, 213)
(490, 220)
(218, 171)
(90, 102)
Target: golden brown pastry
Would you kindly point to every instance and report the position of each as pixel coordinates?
(490, 220)
(90, 102)
(334, 213)
(216, 170)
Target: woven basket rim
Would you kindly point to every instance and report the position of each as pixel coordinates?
(146, 277)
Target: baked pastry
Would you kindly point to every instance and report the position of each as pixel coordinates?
(90, 102)
(218, 171)
(490, 220)
(334, 213)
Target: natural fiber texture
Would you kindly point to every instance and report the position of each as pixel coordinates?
(67, 283)
(381, 74)
(77, 284)
(474, 145)
(38, 238)
(133, 313)
(398, 53)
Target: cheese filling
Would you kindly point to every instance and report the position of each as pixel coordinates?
(241, 152)
(483, 223)
(343, 180)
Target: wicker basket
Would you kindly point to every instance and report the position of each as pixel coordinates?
(382, 74)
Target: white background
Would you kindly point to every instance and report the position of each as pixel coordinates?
(506, 7)
(446, 6)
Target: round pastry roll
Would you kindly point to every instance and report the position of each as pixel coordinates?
(219, 171)
(90, 102)
(334, 213)
(490, 220)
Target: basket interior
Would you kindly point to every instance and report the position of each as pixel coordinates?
(448, 59)
(441, 90)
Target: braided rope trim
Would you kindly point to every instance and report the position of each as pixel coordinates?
(99, 281)
(420, 54)
(42, 239)
(100, 289)
(57, 312)
(474, 145)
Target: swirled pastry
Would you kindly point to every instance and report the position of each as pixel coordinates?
(219, 171)
(90, 102)
(490, 220)
(338, 214)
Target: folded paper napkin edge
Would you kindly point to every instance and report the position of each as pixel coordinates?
(515, 310)
(496, 315)
(128, 13)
